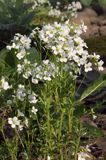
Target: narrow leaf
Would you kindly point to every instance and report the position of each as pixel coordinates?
(92, 130)
(91, 89)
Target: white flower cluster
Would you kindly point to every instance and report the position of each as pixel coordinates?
(4, 84)
(70, 8)
(39, 3)
(21, 43)
(55, 12)
(24, 68)
(15, 122)
(20, 121)
(72, 69)
(65, 43)
(39, 72)
(32, 97)
(21, 94)
(74, 6)
(44, 72)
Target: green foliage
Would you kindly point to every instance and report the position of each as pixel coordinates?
(92, 130)
(15, 17)
(15, 13)
(4, 152)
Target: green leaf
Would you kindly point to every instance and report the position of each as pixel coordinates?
(86, 2)
(19, 3)
(34, 55)
(16, 11)
(92, 130)
(26, 19)
(92, 88)
(79, 111)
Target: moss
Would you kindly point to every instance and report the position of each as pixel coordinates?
(97, 44)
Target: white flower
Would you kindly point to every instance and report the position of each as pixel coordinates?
(97, 57)
(9, 47)
(4, 84)
(21, 54)
(46, 62)
(20, 127)
(21, 43)
(83, 27)
(34, 110)
(78, 5)
(88, 67)
(24, 68)
(20, 114)
(63, 59)
(32, 97)
(26, 122)
(83, 156)
(54, 12)
(44, 72)
(94, 117)
(100, 65)
(35, 5)
(9, 102)
(34, 80)
(48, 158)
(39, 3)
(20, 68)
(21, 92)
(14, 122)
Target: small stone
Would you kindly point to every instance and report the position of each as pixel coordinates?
(82, 17)
(93, 30)
(103, 22)
(90, 12)
(94, 20)
(103, 30)
(85, 19)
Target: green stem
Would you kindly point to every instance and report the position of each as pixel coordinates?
(61, 122)
(70, 117)
(61, 155)
(22, 143)
(13, 157)
(78, 143)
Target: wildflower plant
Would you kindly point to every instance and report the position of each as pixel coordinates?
(41, 99)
